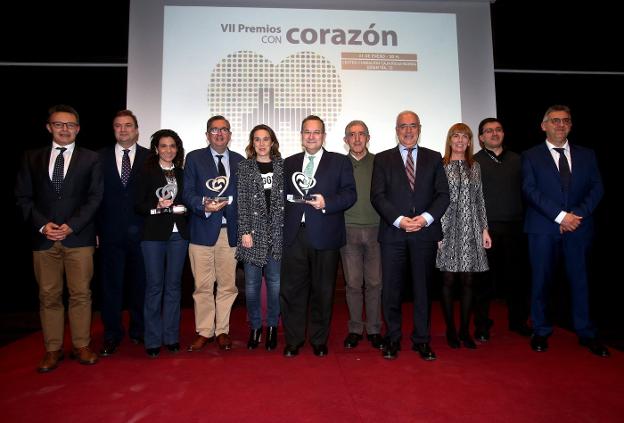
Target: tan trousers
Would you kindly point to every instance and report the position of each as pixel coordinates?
(210, 264)
(77, 265)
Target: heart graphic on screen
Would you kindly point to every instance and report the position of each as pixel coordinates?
(249, 89)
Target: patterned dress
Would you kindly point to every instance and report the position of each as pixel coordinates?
(461, 249)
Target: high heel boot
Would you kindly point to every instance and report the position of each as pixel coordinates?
(271, 338)
(254, 338)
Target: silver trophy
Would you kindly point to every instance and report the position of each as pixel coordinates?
(303, 184)
(219, 185)
(168, 192)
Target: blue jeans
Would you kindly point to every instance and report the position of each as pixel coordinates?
(164, 262)
(253, 283)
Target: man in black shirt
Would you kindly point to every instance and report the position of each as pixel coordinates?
(501, 175)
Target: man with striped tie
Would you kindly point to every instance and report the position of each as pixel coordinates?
(410, 192)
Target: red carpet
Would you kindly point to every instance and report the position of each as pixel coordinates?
(502, 381)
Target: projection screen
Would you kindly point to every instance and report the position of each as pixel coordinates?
(270, 62)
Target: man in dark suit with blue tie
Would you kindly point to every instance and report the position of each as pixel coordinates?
(410, 192)
(119, 232)
(314, 231)
(59, 189)
(562, 186)
(214, 227)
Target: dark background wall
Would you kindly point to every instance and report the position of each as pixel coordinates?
(544, 53)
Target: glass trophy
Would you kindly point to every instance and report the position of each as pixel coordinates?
(303, 184)
(218, 185)
(168, 192)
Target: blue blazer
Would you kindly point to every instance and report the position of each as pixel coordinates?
(117, 220)
(545, 197)
(76, 205)
(200, 167)
(334, 180)
(392, 197)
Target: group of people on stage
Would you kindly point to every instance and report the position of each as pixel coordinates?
(392, 218)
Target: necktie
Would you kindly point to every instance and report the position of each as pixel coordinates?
(220, 166)
(409, 168)
(309, 169)
(59, 170)
(564, 169)
(125, 167)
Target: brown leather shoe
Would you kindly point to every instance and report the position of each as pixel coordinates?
(84, 355)
(50, 361)
(199, 343)
(224, 341)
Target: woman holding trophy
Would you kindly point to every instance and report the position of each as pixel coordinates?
(165, 240)
(260, 224)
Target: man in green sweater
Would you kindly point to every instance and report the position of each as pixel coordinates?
(361, 260)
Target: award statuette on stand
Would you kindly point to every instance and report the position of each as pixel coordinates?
(218, 185)
(168, 192)
(303, 184)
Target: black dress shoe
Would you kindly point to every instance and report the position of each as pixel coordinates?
(271, 338)
(468, 342)
(108, 348)
(521, 329)
(352, 339)
(376, 340)
(539, 343)
(425, 351)
(391, 350)
(255, 336)
(452, 340)
(291, 350)
(137, 340)
(174, 348)
(594, 346)
(320, 350)
(152, 352)
(482, 335)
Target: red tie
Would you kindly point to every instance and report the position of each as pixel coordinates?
(409, 168)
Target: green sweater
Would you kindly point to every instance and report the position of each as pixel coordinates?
(362, 213)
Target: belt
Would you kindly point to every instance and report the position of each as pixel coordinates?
(224, 225)
(302, 225)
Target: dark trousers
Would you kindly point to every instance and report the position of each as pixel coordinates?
(307, 273)
(122, 263)
(545, 251)
(508, 274)
(395, 257)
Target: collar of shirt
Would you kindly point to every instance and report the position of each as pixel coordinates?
(66, 156)
(317, 160)
(403, 149)
(225, 159)
(555, 154)
(119, 155)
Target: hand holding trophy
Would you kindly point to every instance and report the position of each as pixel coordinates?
(302, 184)
(166, 195)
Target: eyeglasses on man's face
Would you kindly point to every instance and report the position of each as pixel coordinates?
(308, 133)
(215, 131)
(560, 121)
(405, 126)
(60, 125)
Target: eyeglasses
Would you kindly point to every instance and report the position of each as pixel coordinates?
(557, 121)
(215, 131)
(60, 125)
(404, 126)
(316, 133)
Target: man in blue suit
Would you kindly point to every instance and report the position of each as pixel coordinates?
(119, 232)
(562, 186)
(214, 227)
(314, 231)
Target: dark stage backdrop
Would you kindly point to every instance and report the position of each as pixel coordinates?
(579, 42)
